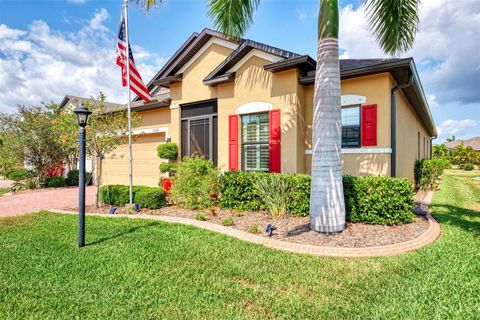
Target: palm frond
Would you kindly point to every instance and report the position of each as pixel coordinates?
(394, 23)
(147, 4)
(232, 17)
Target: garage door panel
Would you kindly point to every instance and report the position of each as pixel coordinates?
(145, 162)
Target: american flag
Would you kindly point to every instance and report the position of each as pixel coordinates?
(136, 82)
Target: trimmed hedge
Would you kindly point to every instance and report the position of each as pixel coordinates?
(119, 195)
(167, 150)
(72, 178)
(55, 182)
(427, 171)
(378, 200)
(373, 200)
(238, 191)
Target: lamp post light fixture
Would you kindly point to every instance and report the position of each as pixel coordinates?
(82, 114)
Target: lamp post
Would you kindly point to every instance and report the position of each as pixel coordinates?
(82, 114)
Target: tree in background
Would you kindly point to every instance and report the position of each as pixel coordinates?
(106, 130)
(440, 150)
(394, 24)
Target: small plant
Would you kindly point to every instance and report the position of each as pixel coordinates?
(213, 211)
(200, 217)
(228, 222)
(468, 167)
(26, 184)
(253, 229)
(275, 193)
(18, 174)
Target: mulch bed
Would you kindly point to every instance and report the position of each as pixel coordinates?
(297, 229)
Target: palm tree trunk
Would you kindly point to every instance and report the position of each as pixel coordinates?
(327, 206)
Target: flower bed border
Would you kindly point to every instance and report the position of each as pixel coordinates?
(431, 235)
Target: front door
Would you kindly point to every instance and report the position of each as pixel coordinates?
(199, 130)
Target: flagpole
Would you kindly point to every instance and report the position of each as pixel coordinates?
(130, 155)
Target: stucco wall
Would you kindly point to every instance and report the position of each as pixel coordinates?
(376, 89)
(409, 127)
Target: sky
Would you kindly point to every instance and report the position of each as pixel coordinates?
(49, 48)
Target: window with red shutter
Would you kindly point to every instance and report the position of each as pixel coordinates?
(369, 125)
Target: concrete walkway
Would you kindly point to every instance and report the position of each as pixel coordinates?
(4, 183)
(43, 199)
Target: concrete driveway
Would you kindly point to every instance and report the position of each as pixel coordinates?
(43, 199)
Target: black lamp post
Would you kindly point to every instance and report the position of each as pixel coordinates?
(82, 114)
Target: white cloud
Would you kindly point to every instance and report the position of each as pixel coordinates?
(40, 64)
(461, 128)
(445, 50)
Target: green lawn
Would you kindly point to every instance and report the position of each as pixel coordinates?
(147, 269)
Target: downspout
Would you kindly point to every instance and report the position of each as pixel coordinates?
(393, 123)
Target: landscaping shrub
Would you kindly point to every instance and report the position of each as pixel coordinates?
(72, 178)
(381, 200)
(18, 174)
(427, 171)
(167, 150)
(119, 195)
(169, 167)
(468, 167)
(378, 200)
(238, 191)
(196, 183)
(55, 182)
(150, 198)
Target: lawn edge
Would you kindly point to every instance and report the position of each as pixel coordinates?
(431, 235)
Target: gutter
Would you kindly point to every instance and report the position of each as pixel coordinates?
(393, 123)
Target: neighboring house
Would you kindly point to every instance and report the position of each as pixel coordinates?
(472, 142)
(248, 106)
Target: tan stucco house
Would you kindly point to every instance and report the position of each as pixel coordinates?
(248, 106)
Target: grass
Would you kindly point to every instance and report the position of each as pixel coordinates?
(149, 269)
(4, 190)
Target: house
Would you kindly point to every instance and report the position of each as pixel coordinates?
(472, 142)
(248, 106)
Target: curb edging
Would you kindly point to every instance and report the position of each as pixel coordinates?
(431, 235)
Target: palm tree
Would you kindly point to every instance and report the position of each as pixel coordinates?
(394, 24)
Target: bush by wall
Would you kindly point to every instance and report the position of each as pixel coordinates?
(55, 182)
(374, 200)
(18, 174)
(119, 195)
(196, 183)
(378, 200)
(467, 167)
(427, 171)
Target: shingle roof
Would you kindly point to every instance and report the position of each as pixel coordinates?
(472, 142)
(347, 64)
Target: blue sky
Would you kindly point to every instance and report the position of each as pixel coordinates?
(52, 48)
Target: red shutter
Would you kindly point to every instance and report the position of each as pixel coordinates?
(233, 142)
(369, 125)
(274, 141)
